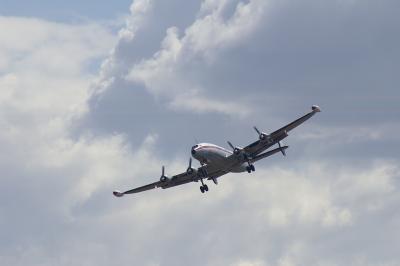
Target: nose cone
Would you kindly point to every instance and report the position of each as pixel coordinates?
(194, 149)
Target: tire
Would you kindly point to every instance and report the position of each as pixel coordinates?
(248, 169)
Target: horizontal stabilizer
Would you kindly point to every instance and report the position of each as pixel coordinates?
(268, 153)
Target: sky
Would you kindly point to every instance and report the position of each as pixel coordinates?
(97, 96)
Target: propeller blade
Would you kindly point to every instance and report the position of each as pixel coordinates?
(162, 170)
(258, 131)
(230, 144)
(190, 162)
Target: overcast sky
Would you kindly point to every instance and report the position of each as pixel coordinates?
(97, 96)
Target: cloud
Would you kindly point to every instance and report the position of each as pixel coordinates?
(138, 9)
(45, 80)
(49, 58)
(69, 136)
(114, 65)
(164, 74)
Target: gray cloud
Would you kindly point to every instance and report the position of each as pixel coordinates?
(332, 201)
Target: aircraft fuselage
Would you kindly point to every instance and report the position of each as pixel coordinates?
(211, 154)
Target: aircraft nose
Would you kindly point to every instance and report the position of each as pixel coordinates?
(194, 149)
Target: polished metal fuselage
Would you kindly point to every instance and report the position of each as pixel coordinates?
(211, 154)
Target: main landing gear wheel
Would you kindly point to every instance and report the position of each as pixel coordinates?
(250, 168)
(204, 188)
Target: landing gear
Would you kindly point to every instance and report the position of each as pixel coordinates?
(203, 187)
(250, 168)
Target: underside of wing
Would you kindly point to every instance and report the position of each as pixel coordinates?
(205, 171)
(138, 189)
(165, 182)
(314, 109)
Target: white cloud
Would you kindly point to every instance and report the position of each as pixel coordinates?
(139, 10)
(165, 74)
(113, 66)
(353, 134)
(50, 58)
(250, 263)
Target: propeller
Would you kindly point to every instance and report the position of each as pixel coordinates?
(261, 135)
(163, 177)
(190, 170)
(236, 150)
(230, 144)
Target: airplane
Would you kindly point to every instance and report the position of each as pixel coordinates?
(217, 161)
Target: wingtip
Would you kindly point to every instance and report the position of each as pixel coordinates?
(316, 108)
(118, 193)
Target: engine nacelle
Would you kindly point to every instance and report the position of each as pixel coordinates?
(164, 178)
(263, 136)
(191, 171)
(237, 151)
(266, 138)
(240, 154)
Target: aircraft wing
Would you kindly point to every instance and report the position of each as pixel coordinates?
(173, 181)
(206, 171)
(261, 145)
(138, 189)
